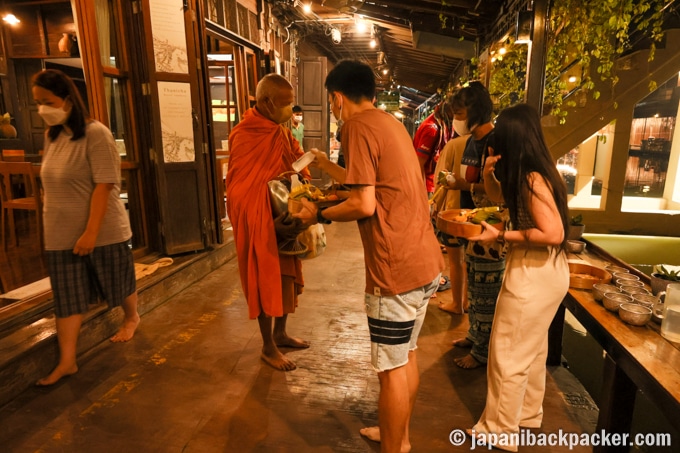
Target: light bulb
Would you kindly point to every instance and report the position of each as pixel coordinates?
(336, 36)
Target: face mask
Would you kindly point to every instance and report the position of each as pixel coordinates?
(297, 118)
(53, 116)
(338, 119)
(461, 127)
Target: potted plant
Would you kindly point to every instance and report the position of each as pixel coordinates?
(576, 228)
(662, 276)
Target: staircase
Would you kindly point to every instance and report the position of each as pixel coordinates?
(635, 73)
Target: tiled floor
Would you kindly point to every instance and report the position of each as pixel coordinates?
(192, 381)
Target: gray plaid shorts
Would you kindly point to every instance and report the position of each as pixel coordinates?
(106, 274)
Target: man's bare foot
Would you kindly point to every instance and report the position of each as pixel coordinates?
(278, 361)
(56, 374)
(126, 331)
(291, 342)
(462, 343)
(373, 433)
(452, 307)
(468, 362)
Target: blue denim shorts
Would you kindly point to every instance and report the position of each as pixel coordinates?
(394, 323)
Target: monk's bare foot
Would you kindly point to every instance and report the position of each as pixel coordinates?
(468, 362)
(452, 307)
(462, 343)
(56, 374)
(126, 331)
(278, 361)
(291, 342)
(373, 433)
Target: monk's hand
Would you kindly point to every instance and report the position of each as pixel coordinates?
(287, 227)
(308, 213)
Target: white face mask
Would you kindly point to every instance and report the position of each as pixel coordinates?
(461, 127)
(297, 118)
(338, 119)
(53, 116)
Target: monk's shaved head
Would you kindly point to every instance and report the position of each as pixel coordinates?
(270, 86)
(274, 98)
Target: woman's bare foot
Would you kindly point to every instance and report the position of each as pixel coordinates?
(462, 343)
(291, 342)
(468, 362)
(373, 433)
(126, 331)
(275, 359)
(56, 374)
(452, 307)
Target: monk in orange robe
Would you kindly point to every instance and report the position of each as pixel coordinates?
(261, 149)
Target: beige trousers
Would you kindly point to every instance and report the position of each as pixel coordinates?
(534, 285)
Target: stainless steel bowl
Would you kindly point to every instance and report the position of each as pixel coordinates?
(635, 314)
(611, 301)
(576, 246)
(646, 300)
(622, 278)
(612, 269)
(632, 290)
(599, 289)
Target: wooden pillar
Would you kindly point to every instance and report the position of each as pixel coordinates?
(535, 82)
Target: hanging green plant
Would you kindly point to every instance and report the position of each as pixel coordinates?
(583, 34)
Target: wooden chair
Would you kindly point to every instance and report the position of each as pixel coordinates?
(13, 155)
(13, 174)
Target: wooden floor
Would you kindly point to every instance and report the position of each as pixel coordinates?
(192, 380)
(22, 262)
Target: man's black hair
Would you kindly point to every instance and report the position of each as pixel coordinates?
(297, 109)
(353, 79)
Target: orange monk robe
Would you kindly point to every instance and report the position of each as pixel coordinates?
(260, 150)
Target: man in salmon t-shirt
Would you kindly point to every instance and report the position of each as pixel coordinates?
(261, 149)
(401, 253)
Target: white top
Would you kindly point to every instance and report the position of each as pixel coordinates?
(70, 170)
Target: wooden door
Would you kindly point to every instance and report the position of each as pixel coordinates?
(180, 141)
(33, 136)
(314, 102)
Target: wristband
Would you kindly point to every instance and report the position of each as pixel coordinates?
(501, 237)
(320, 218)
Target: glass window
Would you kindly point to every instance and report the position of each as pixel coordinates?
(585, 169)
(651, 182)
(115, 104)
(106, 32)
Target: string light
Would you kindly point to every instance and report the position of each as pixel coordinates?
(307, 8)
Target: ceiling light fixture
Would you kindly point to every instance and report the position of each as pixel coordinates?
(572, 79)
(336, 36)
(307, 8)
(11, 19)
(360, 24)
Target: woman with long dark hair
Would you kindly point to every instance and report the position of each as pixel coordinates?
(87, 230)
(521, 173)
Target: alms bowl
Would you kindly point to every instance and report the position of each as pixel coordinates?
(635, 314)
(611, 301)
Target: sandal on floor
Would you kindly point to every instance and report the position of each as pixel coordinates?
(444, 286)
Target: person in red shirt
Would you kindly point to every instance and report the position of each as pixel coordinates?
(430, 138)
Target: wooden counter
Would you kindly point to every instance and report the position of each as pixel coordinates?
(636, 357)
